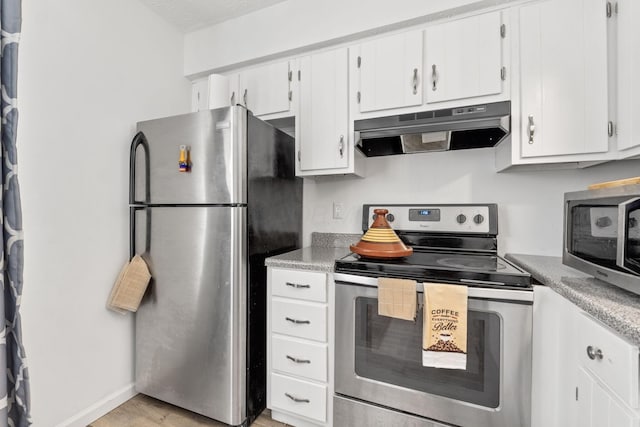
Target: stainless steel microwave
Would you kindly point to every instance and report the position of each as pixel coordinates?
(602, 234)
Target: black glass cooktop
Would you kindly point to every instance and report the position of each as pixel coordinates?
(450, 267)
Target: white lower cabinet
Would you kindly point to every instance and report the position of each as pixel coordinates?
(584, 374)
(300, 347)
(299, 397)
(597, 407)
(298, 357)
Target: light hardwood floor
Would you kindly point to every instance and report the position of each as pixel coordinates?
(145, 411)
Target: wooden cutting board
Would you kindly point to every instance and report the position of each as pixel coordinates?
(617, 183)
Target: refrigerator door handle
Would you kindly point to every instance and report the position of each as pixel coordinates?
(137, 141)
(132, 230)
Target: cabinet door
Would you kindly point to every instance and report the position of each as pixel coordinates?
(595, 407)
(628, 123)
(563, 71)
(463, 58)
(324, 113)
(265, 89)
(608, 357)
(234, 90)
(219, 91)
(199, 95)
(390, 71)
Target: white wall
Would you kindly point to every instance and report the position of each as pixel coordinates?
(293, 26)
(88, 71)
(530, 204)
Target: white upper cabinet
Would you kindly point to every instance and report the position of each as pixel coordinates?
(219, 91)
(463, 58)
(266, 89)
(390, 72)
(325, 144)
(199, 98)
(563, 79)
(628, 123)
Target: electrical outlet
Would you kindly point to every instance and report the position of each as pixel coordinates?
(338, 210)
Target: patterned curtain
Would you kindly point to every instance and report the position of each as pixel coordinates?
(14, 387)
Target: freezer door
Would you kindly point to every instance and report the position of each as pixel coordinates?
(215, 152)
(191, 325)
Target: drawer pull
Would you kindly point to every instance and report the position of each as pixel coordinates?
(298, 322)
(297, 400)
(297, 285)
(296, 360)
(594, 353)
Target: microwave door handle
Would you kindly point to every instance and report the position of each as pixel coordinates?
(624, 209)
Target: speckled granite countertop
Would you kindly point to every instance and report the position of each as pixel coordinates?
(320, 256)
(615, 307)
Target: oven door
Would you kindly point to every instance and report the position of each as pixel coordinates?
(379, 359)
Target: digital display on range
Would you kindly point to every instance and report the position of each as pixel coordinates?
(424, 214)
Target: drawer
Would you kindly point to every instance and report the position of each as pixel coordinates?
(301, 358)
(610, 358)
(299, 319)
(299, 397)
(306, 285)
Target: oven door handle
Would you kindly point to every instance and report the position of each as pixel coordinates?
(624, 225)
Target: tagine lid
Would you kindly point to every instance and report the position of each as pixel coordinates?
(380, 241)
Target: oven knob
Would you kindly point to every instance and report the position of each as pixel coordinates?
(390, 217)
(461, 219)
(478, 219)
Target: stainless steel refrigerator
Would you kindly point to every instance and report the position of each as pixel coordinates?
(212, 194)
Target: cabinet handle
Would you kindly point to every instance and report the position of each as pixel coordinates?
(245, 98)
(434, 77)
(233, 98)
(297, 285)
(415, 81)
(296, 360)
(297, 400)
(298, 322)
(531, 130)
(594, 353)
(341, 146)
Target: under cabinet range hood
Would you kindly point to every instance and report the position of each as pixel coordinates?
(459, 128)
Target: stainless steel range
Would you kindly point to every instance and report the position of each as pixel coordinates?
(379, 377)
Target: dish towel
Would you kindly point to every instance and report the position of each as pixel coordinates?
(444, 331)
(397, 298)
(130, 286)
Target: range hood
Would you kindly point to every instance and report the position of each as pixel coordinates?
(459, 128)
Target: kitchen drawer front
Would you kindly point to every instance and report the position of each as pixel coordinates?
(299, 397)
(299, 319)
(306, 285)
(304, 359)
(610, 358)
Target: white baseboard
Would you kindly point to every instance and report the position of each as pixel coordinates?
(101, 407)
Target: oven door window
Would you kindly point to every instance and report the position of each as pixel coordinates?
(390, 351)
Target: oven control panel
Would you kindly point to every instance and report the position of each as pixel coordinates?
(463, 218)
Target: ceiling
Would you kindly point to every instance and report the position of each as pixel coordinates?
(190, 15)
